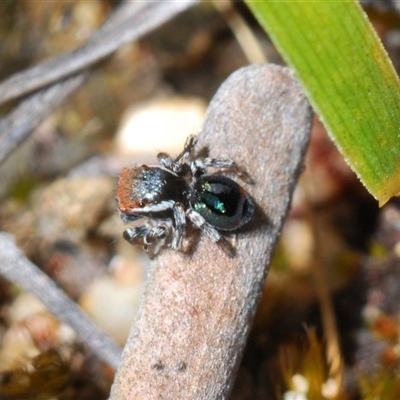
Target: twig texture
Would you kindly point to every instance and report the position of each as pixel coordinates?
(16, 268)
(198, 309)
(129, 22)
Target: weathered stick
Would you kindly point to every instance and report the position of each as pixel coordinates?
(129, 22)
(16, 268)
(198, 309)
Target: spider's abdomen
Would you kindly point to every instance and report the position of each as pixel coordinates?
(221, 202)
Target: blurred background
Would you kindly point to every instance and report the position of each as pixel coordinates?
(58, 200)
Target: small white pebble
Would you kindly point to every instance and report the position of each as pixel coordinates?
(300, 383)
(396, 249)
(330, 389)
(293, 395)
(371, 313)
(112, 305)
(298, 241)
(160, 125)
(396, 350)
(24, 306)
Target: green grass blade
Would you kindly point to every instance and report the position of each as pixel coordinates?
(348, 78)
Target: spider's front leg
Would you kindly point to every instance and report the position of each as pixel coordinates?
(201, 164)
(210, 232)
(179, 165)
(148, 236)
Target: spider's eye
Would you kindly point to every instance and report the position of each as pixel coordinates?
(142, 203)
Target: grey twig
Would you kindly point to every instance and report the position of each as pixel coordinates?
(20, 121)
(16, 268)
(131, 21)
(198, 308)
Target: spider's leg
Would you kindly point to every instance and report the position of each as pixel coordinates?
(156, 233)
(187, 149)
(211, 233)
(166, 161)
(145, 234)
(137, 234)
(179, 165)
(156, 239)
(151, 237)
(180, 223)
(201, 164)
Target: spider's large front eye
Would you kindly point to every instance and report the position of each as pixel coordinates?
(142, 203)
(222, 202)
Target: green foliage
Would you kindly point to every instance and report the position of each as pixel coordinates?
(348, 79)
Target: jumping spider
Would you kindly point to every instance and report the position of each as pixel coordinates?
(178, 190)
